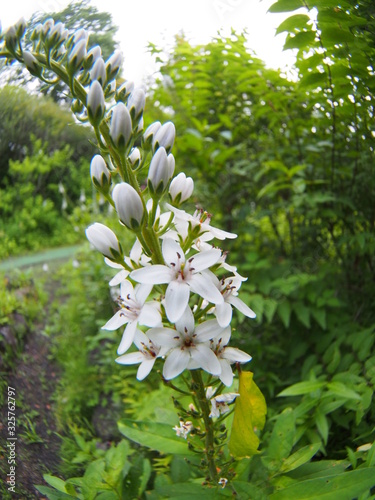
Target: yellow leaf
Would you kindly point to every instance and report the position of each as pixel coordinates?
(249, 415)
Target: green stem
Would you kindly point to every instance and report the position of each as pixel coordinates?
(204, 405)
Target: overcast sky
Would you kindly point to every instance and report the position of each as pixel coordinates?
(146, 21)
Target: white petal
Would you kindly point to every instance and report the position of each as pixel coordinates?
(224, 337)
(208, 330)
(234, 355)
(223, 314)
(206, 359)
(141, 339)
(119, 277)
(119, 319)
(205, 288)
(149, 316)
(219, 233)
(142, 292)
(130, 359)
(165, 337)
(228, 397)
(144, 368)
(175, 363)
(206, 259)
(115, 265)
(127, 337)
(241, 306)
(176, 300)
(172, 252)
(186, 323)
(154, 275)
(226, 375)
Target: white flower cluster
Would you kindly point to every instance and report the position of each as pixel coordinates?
(188, 318)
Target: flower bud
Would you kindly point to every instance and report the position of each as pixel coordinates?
(79, 35)
(92, 56)
(100, 175)
(104, 240)
(36, 33)
(181, 188)
(95, 103)
(110, 89)
(11, 39)
(20, 27)
(121, 127)
(164, 137)
(113, 65)
(160, 172)
(31, 63)
(77, 107)
(123, 92)
(135, 157)
(129, 206)
(57, 34)
(98, 71)
(136, 104)
(76, 56)
(149, 134)
(47, 27)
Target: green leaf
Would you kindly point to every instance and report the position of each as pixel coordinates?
(284, 310)
(187, 491)
(154, 435)
(345, 486)
(302, 388)
(53, 494)
(297, 21)
(322, 425)
(249, 414)
(300, 457)
(300, 40)
(321, 468)
(286, 5)
(320, 317)
(303, 313)
(314, 79)
(56, 482)
(282, 437)
(341, 390)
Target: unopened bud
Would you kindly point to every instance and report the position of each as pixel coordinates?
(123, 92)
(20, 27)
(164, 137)
(181, 188)
(57, 34)
(160, 172)
(136, 104)
(98, 71)
(113, 65)
(79, 35)
(92, 56)
(135, 157)
(95, 104)
(129, 206)
(11, 39)
(31, 63)
(36, 33)
(47, 27)
(76, 56)
(100, 175)
(104, 240)
(121, 127)
(149, 134)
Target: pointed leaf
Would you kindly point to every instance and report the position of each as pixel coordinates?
(249, 415)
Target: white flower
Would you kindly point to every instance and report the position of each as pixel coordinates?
(136, 103)
(227, 355)
(100, 175)
(128, 204)
(181, 188)
(228, 288)
(184, 429)
(104, 240)
(150, 133)
(113, 65)
(188, 345)
(146, 356)
(133, 310)
(135, 259)
(182, 276)
(223, 482)
(219, 404)
(98, 71)
(200, 223)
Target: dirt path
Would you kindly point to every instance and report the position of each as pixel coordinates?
(33, 376)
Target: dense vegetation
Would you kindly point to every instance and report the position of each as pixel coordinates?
(287, 164)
